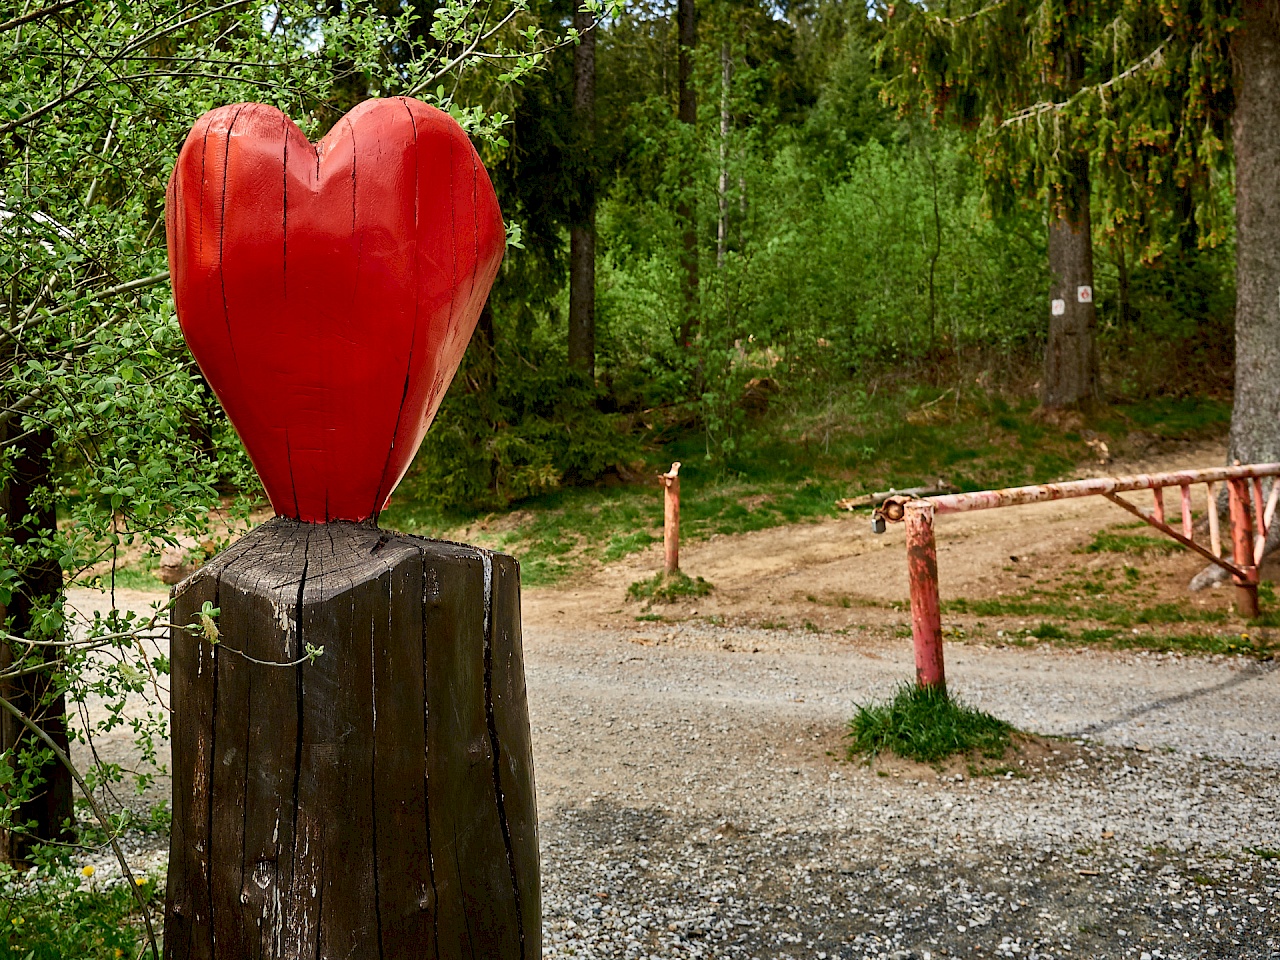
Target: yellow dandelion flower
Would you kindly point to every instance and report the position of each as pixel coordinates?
(88, 870)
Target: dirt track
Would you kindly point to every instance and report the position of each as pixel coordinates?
(694, 801)
(777, 574)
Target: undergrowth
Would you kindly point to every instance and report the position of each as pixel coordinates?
(926, 725)
(58, 912)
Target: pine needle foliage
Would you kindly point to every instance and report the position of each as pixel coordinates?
(1142, 89)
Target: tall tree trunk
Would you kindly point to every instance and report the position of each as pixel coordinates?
(722, 223)
(1071, 355)
(481, 378)
(1255, 416)
(29, 517)
(582, 234)
(685, 210)
(1124, 309)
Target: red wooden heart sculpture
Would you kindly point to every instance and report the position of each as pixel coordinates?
(328, 290)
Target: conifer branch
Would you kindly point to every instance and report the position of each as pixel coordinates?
(1153, 59)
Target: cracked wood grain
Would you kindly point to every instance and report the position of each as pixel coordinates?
(376, 803)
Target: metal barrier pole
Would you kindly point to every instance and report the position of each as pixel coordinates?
(1242, 548)
(671, 519)
(926, 617)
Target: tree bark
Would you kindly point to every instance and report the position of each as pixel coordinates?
(28, 511)
(1255, 415)
(722, 192)
(582, 234)
(1071, 356)
(377, 802)
(686, 211)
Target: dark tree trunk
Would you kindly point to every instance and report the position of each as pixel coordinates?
(582, 234)
(480, 374)
(1255, 416)
(686, 16)
(1071, 356)
(484, 347)
(377, 802)
(30, 518)
(1124, 308)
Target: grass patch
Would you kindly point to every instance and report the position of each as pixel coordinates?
(669, 588)
(1266, 853)
(1105, 597)
(926, 725)
(1135, 545)
(1121, 611)
(1097, 636)
(139, 575)
(1050, 631)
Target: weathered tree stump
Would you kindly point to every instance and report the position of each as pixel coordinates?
(377, 802)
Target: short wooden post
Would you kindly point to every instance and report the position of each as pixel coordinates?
(671, 519)
(926, 615)
(1242, 548)
(377, 802)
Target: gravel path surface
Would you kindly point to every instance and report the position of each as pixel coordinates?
(695, 803)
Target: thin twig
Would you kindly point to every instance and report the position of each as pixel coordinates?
(37, 14)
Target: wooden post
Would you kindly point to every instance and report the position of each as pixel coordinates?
(377, 802)
(1242, 548)
(671, 519)
(926, 615)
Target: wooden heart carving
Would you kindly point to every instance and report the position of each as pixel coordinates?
(328, 290)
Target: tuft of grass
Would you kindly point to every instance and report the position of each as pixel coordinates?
(926, 725)
(1135, 544)
(1266, 853)
(664, 588)
(1050, 631)
(1100, 635)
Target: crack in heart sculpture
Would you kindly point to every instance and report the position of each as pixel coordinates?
(328, 290)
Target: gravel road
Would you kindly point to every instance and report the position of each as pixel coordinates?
(695, 803)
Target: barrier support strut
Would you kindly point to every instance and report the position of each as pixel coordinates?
(1246, 581)
(926, 616)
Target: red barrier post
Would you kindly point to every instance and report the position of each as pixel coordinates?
(926, 616)
(671, 519)
(1242, 547)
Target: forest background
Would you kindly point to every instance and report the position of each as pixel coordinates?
(812, 232)
(809, 249)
